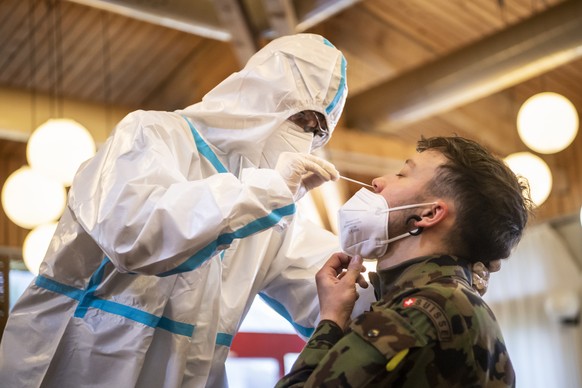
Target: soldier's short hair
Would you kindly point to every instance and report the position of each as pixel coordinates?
(492, 203)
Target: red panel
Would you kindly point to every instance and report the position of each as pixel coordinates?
(273, 345)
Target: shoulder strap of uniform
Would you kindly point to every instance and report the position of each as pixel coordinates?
(387, 331)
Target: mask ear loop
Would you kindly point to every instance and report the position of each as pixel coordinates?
(417, 231)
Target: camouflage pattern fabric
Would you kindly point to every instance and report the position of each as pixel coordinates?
(429, 328)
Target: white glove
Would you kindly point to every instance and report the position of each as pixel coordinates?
(303, 172)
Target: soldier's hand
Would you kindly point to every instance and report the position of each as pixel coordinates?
(336, 288)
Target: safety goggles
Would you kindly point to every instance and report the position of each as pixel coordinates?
(312, 122)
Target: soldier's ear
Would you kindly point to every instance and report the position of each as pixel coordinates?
(433, 214)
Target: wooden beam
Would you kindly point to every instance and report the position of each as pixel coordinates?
(281, 15)
(323, 11)
(232, 16)
(160, 17)
(362, 153)
(520, 52)
(355, 140)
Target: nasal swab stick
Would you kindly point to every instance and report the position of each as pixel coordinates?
(355, 181)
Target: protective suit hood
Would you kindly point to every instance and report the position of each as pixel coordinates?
(289, 75)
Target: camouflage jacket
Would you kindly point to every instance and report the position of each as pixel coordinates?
(429, 328)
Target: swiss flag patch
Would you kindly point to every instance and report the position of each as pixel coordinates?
(435, 312)
(408, 302)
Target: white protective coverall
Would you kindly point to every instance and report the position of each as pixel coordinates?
(171, 231)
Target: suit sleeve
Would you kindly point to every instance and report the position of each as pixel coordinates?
(156, 206)
(290, 282)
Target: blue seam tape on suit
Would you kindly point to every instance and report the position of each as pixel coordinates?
(205, 150)
(342, 85)
(340, 90)
(206, 253)
(258, 225)
(128, 312)
(224, 339)
(94, 282)
(279, 308)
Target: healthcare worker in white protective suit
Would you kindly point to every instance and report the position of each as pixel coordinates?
(174, 227)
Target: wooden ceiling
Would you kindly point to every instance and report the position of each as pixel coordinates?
(414, 66)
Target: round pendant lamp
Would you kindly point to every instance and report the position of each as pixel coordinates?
(36, 244)
(547, 122)
(30, 198)
(58, 147)
(536, 171)
(562, 304)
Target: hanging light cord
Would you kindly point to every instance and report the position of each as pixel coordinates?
(57, 46)
(59, 43)
(32, 56)
(106, 68)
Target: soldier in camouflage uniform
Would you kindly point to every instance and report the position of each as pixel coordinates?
(429, 326)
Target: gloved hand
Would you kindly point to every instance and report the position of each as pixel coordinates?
(303, 172)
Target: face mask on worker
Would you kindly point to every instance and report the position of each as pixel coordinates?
(363, 224)
(288, 138)
(313, 122)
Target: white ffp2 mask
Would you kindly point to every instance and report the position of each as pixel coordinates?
(363, 224)
(288, 138)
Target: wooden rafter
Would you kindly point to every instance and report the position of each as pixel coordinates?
(231, 14)
(281, 15)
(505, 59)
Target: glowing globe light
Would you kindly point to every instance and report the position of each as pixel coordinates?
(562, 304)
(536, 171)
(36, 244)
(30, 198)
(58, 147)
(547, 122)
